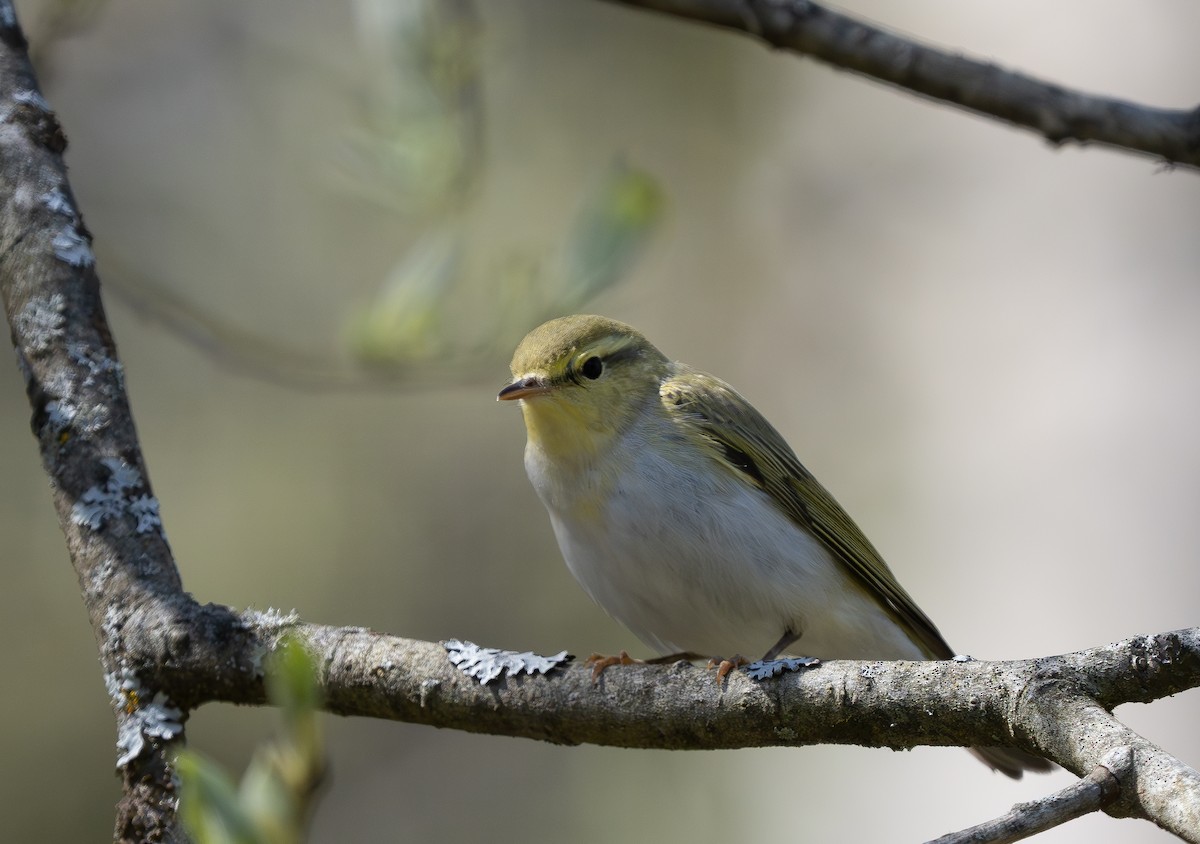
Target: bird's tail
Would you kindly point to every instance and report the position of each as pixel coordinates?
(1010, 762)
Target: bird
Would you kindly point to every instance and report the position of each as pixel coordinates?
(687, 517)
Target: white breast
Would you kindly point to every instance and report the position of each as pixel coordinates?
(691, 558)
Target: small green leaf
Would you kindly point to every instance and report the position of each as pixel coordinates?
(614, 225)
(403, 323)
(209, 805)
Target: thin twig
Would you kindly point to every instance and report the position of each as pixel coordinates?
(1024, 820)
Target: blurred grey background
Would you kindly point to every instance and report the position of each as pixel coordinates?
(986, 348)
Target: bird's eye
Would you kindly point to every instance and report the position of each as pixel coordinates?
(592, 367)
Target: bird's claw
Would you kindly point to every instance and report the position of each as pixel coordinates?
(724, 666)
(600, 662)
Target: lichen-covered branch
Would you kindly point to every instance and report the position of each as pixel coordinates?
(1058, 114)
(82, 421)
(1050, 706)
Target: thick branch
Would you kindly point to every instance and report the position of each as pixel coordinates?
(1056, 113)
(1045, 705)
(877, 704)
(81, 414)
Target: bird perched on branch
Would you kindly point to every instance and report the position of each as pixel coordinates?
(686, 516)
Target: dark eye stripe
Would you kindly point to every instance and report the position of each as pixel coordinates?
(619, 354)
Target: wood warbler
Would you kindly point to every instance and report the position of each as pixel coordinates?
(686, 516)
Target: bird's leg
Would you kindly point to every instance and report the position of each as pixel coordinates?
(772, 664)
(600, 662)
(724, 666)
(787, 639)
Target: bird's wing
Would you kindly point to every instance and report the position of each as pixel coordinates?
(744, 442)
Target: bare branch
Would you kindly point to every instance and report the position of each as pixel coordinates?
(1156, 786)
(1089, 794)
(1058, 114)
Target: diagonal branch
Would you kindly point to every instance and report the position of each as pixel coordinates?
(1090, 794)
(81, 417)
(1058, 114)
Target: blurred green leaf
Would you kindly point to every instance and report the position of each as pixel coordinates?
(419, 147)
(291, 681)
(271, 804)
(404, 322)
(616, 221)
(209, 805)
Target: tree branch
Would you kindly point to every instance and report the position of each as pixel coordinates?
(163, 654)
(1082, 797)
(1048, 706)
(1079, 733)
(81, 414)
(1058, 114)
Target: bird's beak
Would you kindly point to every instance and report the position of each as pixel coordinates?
(525, 387)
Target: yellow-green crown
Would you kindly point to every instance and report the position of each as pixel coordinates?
(551, 344)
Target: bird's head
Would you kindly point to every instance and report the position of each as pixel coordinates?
(581, 381)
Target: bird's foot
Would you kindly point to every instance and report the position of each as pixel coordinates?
(724, 666)
(599, 662)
